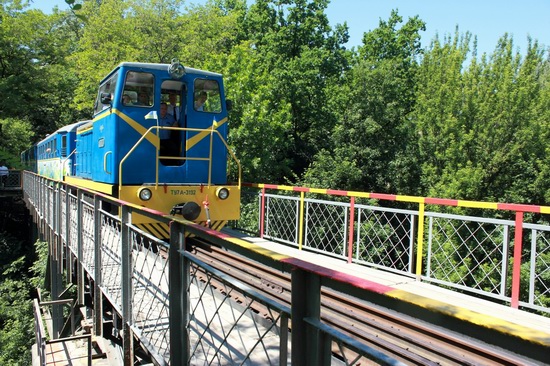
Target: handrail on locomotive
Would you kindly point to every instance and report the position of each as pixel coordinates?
(209, 158)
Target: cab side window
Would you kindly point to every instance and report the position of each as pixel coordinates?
(206, 96)
(108, 87)
(138, 89)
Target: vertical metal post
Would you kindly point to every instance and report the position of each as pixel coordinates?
(262, 213)
(532, 267)
(186, 285)
(79, 248)
(283, 340)
(504, 269)
(325, 342)
(410, 266)
(420, 241)
(301, 221)
(127, 338)
(428, 271)
(516, 272)
(68, 256)
(351, 228)
(306, 303)
(56, 266)
(179, 306)
(98, 298)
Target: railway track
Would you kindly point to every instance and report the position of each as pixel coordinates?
(404, 338)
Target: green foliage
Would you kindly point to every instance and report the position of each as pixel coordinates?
(250, 215)
(16, 286)
(207, 34)
(16, 136)
(17, 328)
(371, 147)
(297, 59)
(16, 320)
(480, 136)
(387, 117)
(258, 125)
(35, 81)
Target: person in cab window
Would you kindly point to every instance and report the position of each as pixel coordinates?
(167, 147)
(199, 102)
(173, 108)
(126, 100)
(143, 98)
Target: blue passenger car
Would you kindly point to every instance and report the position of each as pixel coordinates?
(54, 156)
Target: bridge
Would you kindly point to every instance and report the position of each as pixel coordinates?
(11, 184)
(156, 296)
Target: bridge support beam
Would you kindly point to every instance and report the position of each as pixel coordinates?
(79, 248)
(306, 303)
(98, 298)
(55, 258)
(179, 301)
(127, 337)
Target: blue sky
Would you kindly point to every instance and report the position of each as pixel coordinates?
(486, 19)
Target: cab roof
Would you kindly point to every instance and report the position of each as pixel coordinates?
(164, 67)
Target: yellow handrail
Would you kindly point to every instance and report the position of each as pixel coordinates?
(209, 158)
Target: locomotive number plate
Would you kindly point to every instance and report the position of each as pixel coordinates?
(183, 192)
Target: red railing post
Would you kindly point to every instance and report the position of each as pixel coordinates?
(262, 213)
(516, 272)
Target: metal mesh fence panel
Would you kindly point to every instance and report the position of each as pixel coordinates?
(281, 219)
(326, 227)
(224, 331)
(88, 245)
(111, 265)
(385, 238)
(538, 295)
(150, 306)
(469, 252)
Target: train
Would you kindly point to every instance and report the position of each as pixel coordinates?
(134, 151)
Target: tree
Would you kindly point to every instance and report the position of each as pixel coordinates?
(298, 59)
(479, 130)
(107, 39)
(16, 136)
(372, 141)
(208, 33)
(35, 80)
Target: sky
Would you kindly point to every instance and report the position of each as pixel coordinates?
(486, 19)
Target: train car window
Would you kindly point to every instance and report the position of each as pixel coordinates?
(138, 89)
(207, 97)
(54, 147)
(64, 145)
(108, 87)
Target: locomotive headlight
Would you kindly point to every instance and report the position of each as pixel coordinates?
(145, 194)
(222, 193)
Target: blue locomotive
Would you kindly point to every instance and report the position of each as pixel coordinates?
(157, 139)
